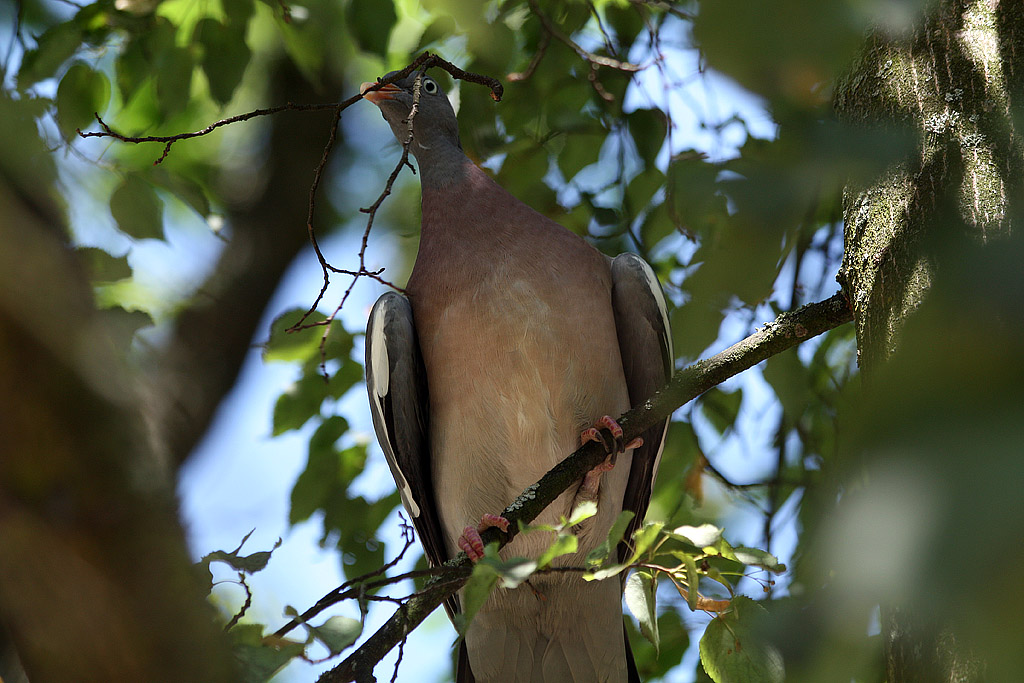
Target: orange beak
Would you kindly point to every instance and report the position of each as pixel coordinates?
(386, 92)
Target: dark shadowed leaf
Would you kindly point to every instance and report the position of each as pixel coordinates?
(337, 633)
(101, 266)
(721, 408)
(54, 47)
(370, 22)
(731, 653)
(225, 56)
(137, 209)
(83, 92)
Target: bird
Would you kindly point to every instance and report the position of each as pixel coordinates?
(514, 342)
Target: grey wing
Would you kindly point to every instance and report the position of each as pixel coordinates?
(399, 403)
(645, 343)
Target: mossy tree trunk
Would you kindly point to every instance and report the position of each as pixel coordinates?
(956, 85)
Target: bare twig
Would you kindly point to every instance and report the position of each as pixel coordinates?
(245, 605)
(586, 56)
(786, 331)
(169, 140)
(542, 48)
(346, 590)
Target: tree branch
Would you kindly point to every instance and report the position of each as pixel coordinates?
(785, 332)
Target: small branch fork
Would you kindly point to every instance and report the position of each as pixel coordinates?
(595, 61)
(422, 63)
(785, 332)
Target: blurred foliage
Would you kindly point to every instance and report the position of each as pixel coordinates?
(739, 229)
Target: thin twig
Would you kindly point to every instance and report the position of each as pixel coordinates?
(345, 590)
(598, 60)
(542, 48)
(245, 605)
(169, 140)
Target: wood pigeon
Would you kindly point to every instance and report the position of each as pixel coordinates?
(514, 337)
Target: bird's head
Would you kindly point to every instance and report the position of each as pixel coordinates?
(434, 125)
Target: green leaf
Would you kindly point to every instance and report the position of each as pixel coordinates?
(297, 346)
(721, 408)
(184, 188)
(436, 31)
(788, 377)
(101, 266)
(732, 653)
(321, 477)
(644, 538)
(121, 325)
(132, 68)
(647, 127)
(174, 80)
(583, 512)
(83, 92)
(53, 48)
(238, 12)
(299, 403)
(225, 56)
(564, 544)
(512, 572)
(605, 572)
(641, 587)
(337, 633)
(475, 593)
(618, 529)
(579, 152)
(698, 536)
(754, 557)
(250, 564)
(642, 188)
(370, 22)
(260, 658)
(692, 582)
(137, 209)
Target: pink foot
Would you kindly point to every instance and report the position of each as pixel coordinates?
(470, 541)
(612, 446)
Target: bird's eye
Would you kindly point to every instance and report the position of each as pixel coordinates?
(429, 86)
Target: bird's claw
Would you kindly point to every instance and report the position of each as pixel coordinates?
(470, 541)
(609, 434)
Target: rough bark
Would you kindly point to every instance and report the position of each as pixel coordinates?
(955, 83)
(95, 578)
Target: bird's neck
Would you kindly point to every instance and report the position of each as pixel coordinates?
(442, 165)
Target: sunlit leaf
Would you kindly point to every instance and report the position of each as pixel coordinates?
(754, 557)
(640, 592)
(563, 544)
(698, 536)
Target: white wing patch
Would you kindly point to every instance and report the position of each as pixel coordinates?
(380, 370)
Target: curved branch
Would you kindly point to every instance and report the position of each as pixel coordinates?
(785, 332)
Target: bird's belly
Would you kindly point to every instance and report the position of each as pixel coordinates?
(531, 395)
